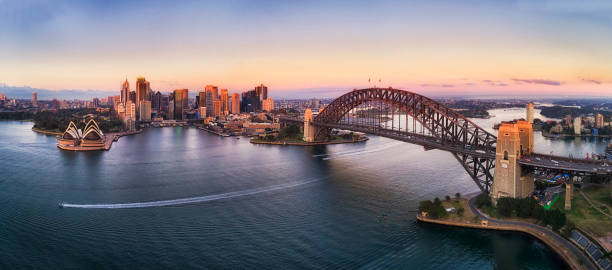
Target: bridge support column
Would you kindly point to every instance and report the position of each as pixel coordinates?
(309, 128)
(510, 179)
(569, 193)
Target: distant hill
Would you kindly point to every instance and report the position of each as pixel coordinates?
(25, 92)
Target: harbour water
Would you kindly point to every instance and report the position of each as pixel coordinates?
(205, 201)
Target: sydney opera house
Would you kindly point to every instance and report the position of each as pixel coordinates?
(91, 138)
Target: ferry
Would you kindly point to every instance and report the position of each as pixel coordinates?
(60, 205)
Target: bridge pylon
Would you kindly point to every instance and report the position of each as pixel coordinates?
(514, 140)
(309, 128)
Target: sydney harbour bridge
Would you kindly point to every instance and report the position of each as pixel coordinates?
(413, 118)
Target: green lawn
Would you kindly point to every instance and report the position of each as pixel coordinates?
(585, 216)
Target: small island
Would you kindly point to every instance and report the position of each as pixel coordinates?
(292, 135)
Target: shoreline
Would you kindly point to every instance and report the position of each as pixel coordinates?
(551, 239)
(46, 132)
(309, 143)
(548, 242)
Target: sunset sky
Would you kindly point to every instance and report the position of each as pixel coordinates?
(431, 47)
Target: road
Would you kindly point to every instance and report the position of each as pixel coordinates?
(588, 264)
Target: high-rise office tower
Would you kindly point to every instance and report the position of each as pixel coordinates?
(217, 105)
(224, 101)
(95, 102)
(250, 101)
(186, 99)
(34, 101)
(210, 110)
(132, 96)
(145, 110)
(201, 99)
(2, 98)
(179, 103)
(529, 111)
(156, 102)
(267, 105)
(235, 103)
(599, 121)
(214, 90)
(125, 91)
(262, 92)
(142, 90)
(577, 125)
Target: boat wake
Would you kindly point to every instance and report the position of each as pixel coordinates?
(357, 152)
(189, 200)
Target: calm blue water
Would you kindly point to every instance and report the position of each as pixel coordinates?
(265, 207)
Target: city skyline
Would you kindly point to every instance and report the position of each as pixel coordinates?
(442, 48)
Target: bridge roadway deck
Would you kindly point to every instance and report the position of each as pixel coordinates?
(535, 160)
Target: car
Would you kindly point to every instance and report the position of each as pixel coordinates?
(538, 159)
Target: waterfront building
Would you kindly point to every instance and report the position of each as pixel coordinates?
(142, 90)
(529, 111)
(202, 112)
(268, 105)
(599, 122)
(156, 102)
(145, 110)
(125, 92)
(577, 125)
(568, 120)
(170, 115)
(179, 104)
(224, 101)
(262, 92)
(2, 98)
(34, 101)
(92, 135)
(235, 103)
(185, 99)
(510, 179)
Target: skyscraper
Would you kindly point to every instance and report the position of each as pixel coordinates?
(179, 103)
(156, 102)
(145, 110)
(201, 99)
(142, 90)
(224, 101)
(2, 98)
(214, 89)
(125, 91)
(599, 121)
(217, 105)
(529, 111)
(262, 92)
(210, 110)
(132, 96)
(577, 125)
(235, 103)
(267, 105)
(186, 99)
(34, 100)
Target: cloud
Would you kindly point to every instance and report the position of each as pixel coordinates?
(495, 83)
(538, 81)
(437, 85)
(591, 81)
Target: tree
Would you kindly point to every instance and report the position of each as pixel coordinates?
(460, 211)
(555, 218)
(457, 195)
(447, 198)
(483, 200)
(505, 206)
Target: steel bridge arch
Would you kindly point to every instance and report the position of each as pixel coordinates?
(442, 122)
